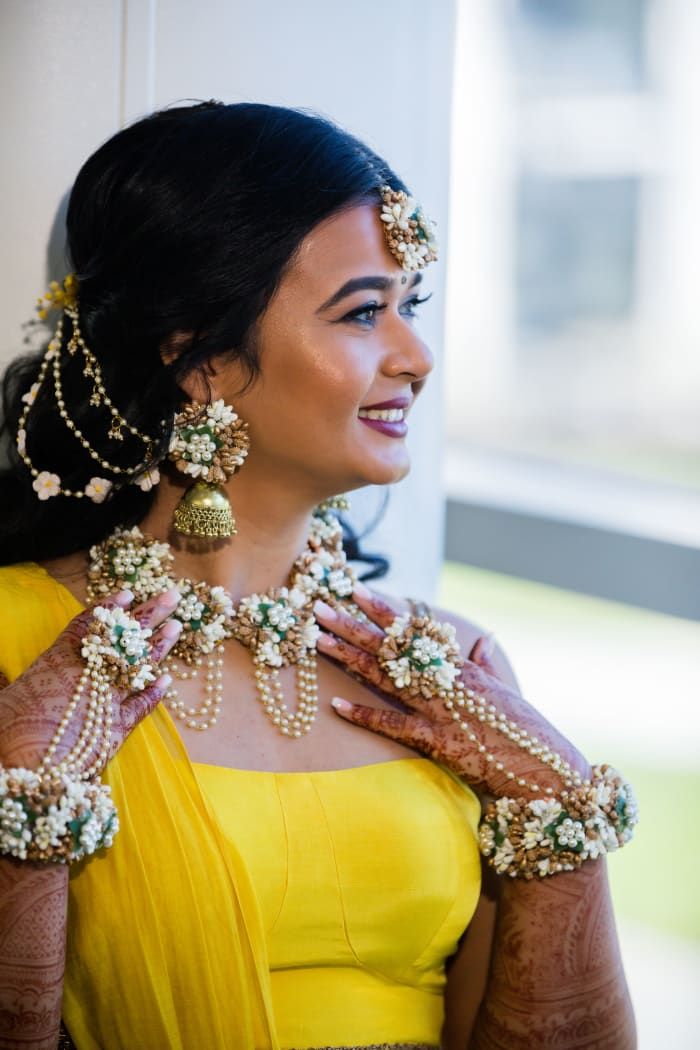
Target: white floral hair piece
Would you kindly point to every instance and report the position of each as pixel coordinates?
(409, 233)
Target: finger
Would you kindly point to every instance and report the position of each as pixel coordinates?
(357, 661)
(361, 635)
(137, 706)
(482, 653)
(164, 639)
(80, 624)
(378, 610)
(412, 730)
(156, 609)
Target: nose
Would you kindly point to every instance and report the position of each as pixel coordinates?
(407, 354)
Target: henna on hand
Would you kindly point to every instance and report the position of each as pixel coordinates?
(556, 978)
(32, 948)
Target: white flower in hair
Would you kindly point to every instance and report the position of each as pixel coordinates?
(22, 441)
(98, 489)
(30, 397)
(46, 485)
(148, 480)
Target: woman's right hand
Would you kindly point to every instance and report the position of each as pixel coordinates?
(32, 706)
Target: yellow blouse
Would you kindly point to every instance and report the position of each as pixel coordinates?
(240, 910)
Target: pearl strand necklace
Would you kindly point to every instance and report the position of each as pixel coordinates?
(209, 710)
(278, 627)
(290, 723)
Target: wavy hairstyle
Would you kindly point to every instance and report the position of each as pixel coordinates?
(183, 222)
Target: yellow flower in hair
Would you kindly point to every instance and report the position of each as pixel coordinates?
(59, 297)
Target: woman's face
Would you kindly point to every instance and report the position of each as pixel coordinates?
(337, 340)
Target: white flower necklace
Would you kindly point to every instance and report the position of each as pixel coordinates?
(278, 627)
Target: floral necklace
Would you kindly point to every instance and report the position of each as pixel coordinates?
(278, 627)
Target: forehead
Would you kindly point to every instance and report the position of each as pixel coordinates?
(348, 244)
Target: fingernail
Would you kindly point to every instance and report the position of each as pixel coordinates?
(322, 609)
(489, 644)
(340, 704)
(163, 682)
(171, 597)
(124, 597)
(172, 628)
(324, 640)
(361, 591)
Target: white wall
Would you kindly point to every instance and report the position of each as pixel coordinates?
(73, 71)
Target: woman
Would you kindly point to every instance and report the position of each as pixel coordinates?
(242, 325)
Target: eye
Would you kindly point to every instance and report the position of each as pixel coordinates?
(408, 309)
(366, 314)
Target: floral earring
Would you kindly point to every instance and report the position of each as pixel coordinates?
(209, 443)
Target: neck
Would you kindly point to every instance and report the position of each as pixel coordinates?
(272, 526)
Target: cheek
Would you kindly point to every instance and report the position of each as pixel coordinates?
(323, 384)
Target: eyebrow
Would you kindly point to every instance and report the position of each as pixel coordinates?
(357, 284)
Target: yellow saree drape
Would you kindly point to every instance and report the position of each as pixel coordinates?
(171, 945)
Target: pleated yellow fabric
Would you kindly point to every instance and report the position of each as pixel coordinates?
(253, 910)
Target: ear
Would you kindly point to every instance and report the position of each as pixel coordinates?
(196, 383)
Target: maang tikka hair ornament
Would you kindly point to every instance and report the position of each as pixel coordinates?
(209, 443)
(409, 233)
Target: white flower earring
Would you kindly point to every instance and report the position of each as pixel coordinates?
(209, 443)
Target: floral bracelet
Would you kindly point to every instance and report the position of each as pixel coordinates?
(525, 839)
(54, 816)
(61, 811)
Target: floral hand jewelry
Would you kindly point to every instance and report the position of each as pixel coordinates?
(61, 812)
(520, 838)
(542, 837)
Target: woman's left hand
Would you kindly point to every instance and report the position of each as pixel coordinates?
(485, 757)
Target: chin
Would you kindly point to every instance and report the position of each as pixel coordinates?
(378, 473)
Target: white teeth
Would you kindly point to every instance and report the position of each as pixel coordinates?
(387, 415)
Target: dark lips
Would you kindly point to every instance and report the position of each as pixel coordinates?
(397, 402)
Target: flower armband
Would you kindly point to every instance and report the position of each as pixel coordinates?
(525, 839)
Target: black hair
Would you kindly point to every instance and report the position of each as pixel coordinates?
(182, 222)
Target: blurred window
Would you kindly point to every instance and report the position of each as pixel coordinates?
(576, 45)
(576, 250)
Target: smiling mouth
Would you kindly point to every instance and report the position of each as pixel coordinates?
(386, 415)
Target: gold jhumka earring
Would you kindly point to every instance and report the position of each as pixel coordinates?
(209, 443)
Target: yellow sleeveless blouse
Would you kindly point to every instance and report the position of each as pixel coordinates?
(242, 910)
